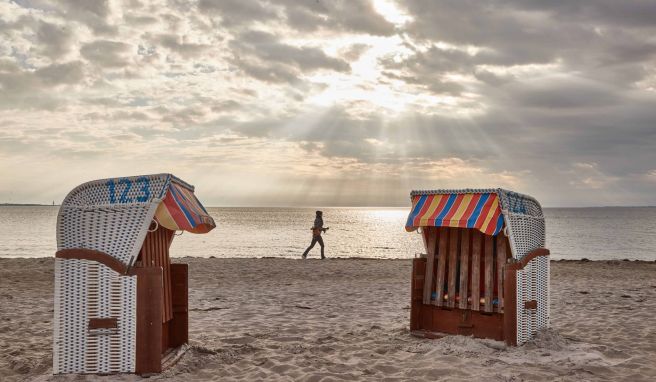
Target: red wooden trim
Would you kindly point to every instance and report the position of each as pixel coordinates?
(464, 269)
(416, 291)
(461, 322)
(155, 253)
(441, 267)
(510, 313)
(525, 260)
(453, 266)
(476, 270)
(149, 320)
(103, 323)
(90, 254)
(179, 325)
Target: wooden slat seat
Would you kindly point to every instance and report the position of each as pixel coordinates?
(441, 265)
(155, 253)
(464, 269)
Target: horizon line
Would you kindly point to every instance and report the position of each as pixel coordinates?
(5, 204)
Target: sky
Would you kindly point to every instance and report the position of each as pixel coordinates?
(331, 103)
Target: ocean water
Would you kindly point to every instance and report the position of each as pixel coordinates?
(572, 233)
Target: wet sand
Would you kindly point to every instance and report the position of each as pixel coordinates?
(275, 319)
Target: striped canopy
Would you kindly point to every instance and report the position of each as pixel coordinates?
(181, 210)
(465, 210)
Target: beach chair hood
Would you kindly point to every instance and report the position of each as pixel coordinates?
(114, 215)
(487, 210)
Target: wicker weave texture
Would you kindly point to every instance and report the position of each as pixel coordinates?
(125, 190)
(532, 284)
(110, 215)
(524, 222)
(94, 228)
(85, 290)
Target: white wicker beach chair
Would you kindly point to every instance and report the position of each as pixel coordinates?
(115, 289)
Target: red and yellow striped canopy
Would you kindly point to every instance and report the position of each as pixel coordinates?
(181, 210)
(466, 210)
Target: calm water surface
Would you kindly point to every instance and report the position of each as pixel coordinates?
(572, 233)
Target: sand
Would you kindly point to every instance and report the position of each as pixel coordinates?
(272, 319)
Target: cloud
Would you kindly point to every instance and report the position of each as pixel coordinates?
(58, 74)
(177, 44)
(331, 102)
(267, 47)
(30, 89)
(55, 39)
(95, 14)
(263, 56)
(235, 12)
(108, 54)
(357, 16)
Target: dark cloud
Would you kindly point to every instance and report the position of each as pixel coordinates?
(108, 54)
(634, 13)
(57, 74)
(92, 13)
(345, 15)
(332, 16)
(563, 93)
(30, 89)
(518, 32)
(235, 12)
(55, 40)
(263, 56)
(177, 44)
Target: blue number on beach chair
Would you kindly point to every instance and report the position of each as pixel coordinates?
(112, 191)
(124, 195)
(145, 188)
(142, 181)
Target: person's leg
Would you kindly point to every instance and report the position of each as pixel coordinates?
(314, 241)
(320, 240)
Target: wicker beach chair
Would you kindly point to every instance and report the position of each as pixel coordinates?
(120, 305)
(486, 271)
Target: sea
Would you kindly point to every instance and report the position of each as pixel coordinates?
(600, 233)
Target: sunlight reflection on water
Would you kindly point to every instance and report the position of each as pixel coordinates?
(572, 233)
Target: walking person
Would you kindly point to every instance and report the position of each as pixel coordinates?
(317, 229)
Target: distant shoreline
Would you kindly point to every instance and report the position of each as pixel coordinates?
(27, 205)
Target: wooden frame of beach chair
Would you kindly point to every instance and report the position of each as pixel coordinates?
(120, 305)
(485, 272)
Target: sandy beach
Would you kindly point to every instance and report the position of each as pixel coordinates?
(273, 319)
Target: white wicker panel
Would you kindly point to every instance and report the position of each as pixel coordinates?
(117, 230)
(532, 284)
(524, 222)
(88, 289)
(527, 233)
(70, 316)
(111, 215)
(543, 290)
